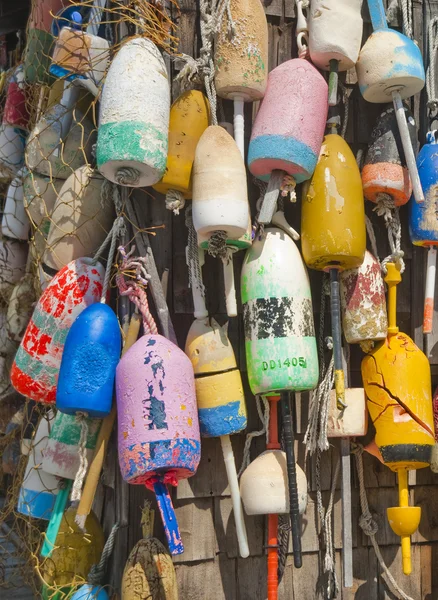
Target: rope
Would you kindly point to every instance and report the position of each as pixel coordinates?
(327, 531)
(135, 289)
(195, 272)
(287, 188)
(432, 100)
(175, 201)
(316, 433)
(391, 213)
(264, 418)
(372, 236)
(97, 572)
(128, 176)
(370, 527)
(217, 245)
(283, 543)
(406, 10)
(76, 493)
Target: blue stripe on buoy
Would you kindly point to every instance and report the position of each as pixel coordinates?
(221, 420)
(37, 504)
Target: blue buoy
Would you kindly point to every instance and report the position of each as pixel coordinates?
(90, 592)
(89, 361)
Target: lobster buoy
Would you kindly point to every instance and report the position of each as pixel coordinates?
(148, 559)
(158, 427)
(333, 228)
(423, 223)
(280, 339)
(335, 36)
(89, 361)
(39, 489)
(390, 67)
(397, 382)
(289, 127)
(80, 220)
(61, 454)
(385, 176)
(75, 552)
(39, 196)
(189, 117)
(39, 41)
(36, 366)
(133, 135)
(241, 61)
(43, 154)
(90, 592)
(12, 142)
(15, 222)
(13, 258)
(16, 112)
(81, 54)
(363, 302)
(221, 401)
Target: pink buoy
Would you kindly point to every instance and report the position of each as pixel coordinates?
(158, 428)
(36, 366)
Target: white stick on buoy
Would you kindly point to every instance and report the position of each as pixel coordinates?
(429, 299)
(239, 520)
(407, 146)
(229, 284)
(200, 309)
(239, 124)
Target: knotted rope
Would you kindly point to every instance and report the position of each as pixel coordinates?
(217, 245)
(135, 288)
(391, 214)
(369, 525)
(97, 572)
(432, 100)
(193, 263)
(175, 201)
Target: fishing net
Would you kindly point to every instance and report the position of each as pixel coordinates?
(55, 207)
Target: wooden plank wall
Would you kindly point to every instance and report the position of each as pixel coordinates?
(210, 568)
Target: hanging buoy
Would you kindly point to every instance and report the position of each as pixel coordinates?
(39, 196)
(81, 54)
(16, 112)
(15, 222)
(221, 401)
(423, 222)
(12, 142)
(241, 59)
(158, 427)
(149, 571)
(220, 199)
(333, 234)
(189, 118)
(42, 146)
(61, 454)
(39, 489)
(280, 339)
(133, 135)
(390, 66)
(39, 41)
(74, 553)
(385, 177)
(13, 257)
(335, 37)
(90, 592)
(81, 218)
(397, 382)
(363, 302)
(37, 362)
(288, 130)
(88, 367)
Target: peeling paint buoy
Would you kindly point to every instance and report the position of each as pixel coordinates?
(16, 112)
(134, 116)
(363, 302)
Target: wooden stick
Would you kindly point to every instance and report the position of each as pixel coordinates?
(93, 476)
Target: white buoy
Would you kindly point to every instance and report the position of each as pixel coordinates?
(12, 142)
(40, 193)
(81, 218)
(134, 116)
(15, 222)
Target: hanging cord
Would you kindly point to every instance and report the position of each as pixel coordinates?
(302, 29)
(81, 419)
(217, 245)
(175, 201)
(432, 100)
(202, 69)
(406, 10)
(97, 572)
(258, 228)
(264, 418)
(135, 289)
(195, 273)
(283, 543)
(391, 214)
(369, 525)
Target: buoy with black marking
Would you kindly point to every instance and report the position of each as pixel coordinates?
(397, 382)
(133, 135)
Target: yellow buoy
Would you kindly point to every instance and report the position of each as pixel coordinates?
(397, 382)
(74, 554)
(189, 118)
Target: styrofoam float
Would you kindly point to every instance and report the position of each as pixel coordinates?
(134, 116)
(37, 362)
